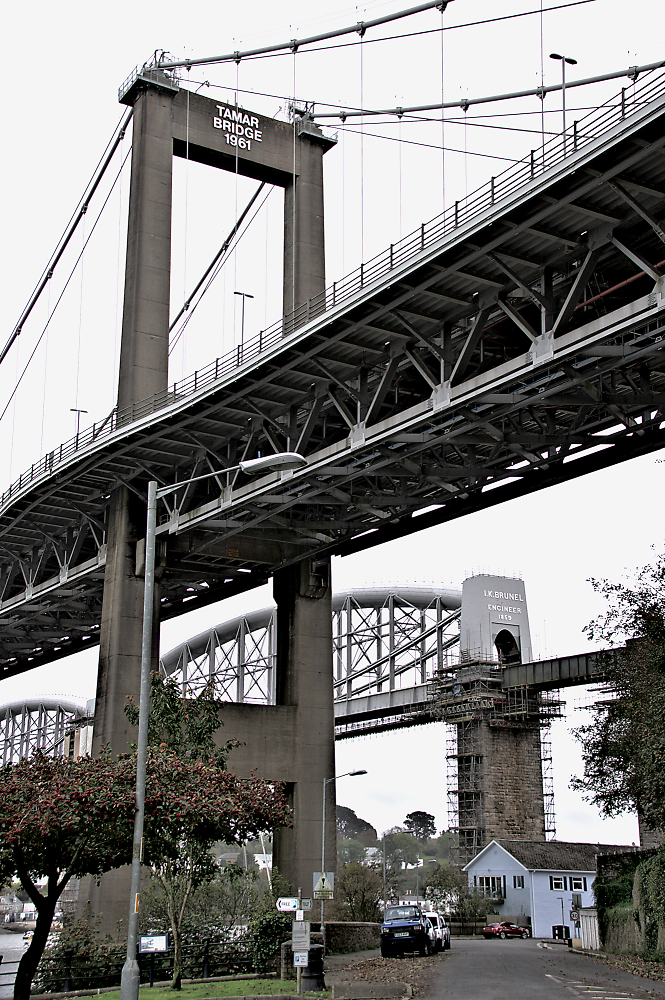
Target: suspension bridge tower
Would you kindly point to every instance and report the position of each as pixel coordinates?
(168, 122)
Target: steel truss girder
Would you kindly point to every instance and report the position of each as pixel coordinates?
(399, 398)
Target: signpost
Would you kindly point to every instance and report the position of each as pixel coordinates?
(286, 903)
(324, 885)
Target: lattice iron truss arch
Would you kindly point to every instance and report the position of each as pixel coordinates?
(58, 726)
(385, 640)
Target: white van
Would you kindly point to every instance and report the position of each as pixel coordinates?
(441, 930)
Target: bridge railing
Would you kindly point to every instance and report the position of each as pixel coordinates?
(427, 235)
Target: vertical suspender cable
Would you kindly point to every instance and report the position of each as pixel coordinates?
(399, 161)
(184, 266)
(118, 311)
(361, 31)
(542, 77)
(293, 198)
(78, 342)
(443, 126)
(48, 309)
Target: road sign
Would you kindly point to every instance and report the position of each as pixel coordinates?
(285, 903)
(300, 939)
(574, 916)
(324, 885)
(300, 959)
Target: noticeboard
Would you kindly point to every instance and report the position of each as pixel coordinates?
(300, 935)
(152, 943)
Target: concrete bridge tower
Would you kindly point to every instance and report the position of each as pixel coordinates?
(168, 122)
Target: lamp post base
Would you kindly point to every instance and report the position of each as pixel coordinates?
(129, 983)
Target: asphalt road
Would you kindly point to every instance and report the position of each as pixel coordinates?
(527, 970)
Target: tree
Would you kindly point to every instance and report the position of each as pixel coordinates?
(623, 749)
(444, 886)
(187, 728)
(401, 848)
(421, 825)
(61, 818)
(352, 827)
(360, 889)
(215, 909)
(350, 850)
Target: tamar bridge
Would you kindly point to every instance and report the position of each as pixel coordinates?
(512, 343)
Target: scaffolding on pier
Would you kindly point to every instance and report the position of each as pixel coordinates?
(465, 697)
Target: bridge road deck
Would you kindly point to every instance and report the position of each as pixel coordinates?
(514, 343)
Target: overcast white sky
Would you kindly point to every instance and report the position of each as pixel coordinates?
(63, 64)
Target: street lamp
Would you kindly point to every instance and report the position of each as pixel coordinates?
(326, 782)
(78, 412)
(289, 460)
(245, 295)
(571, 62)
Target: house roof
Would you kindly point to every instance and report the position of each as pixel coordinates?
(555, 855)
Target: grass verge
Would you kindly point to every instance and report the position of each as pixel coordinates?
(234, 988)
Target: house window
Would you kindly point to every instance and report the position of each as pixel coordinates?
(518, 881)
(557, 882)
(578, 884)
(492, 885)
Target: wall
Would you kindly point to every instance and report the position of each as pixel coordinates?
(343, 937)
(619, 901)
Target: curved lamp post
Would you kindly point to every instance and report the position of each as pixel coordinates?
(282, 461)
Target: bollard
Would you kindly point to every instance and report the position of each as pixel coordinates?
(312, 975)
(206, 959)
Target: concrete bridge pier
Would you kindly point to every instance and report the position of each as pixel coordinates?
(305, 681)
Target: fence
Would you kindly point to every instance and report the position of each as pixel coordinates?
(63, 975)
(429, 233)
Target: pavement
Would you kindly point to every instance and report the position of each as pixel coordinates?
(364, 975)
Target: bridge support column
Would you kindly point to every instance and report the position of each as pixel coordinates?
(500, 784)
(304, 252)
(305, 681)
(143, 372)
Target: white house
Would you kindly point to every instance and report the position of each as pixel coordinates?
(543, 880)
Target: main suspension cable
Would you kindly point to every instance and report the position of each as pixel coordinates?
(79, 212)
(296, 43)
(632, 72)
(65, 286)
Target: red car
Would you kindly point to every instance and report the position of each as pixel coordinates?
(505, 929)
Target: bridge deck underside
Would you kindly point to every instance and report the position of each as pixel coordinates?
(521, 349)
